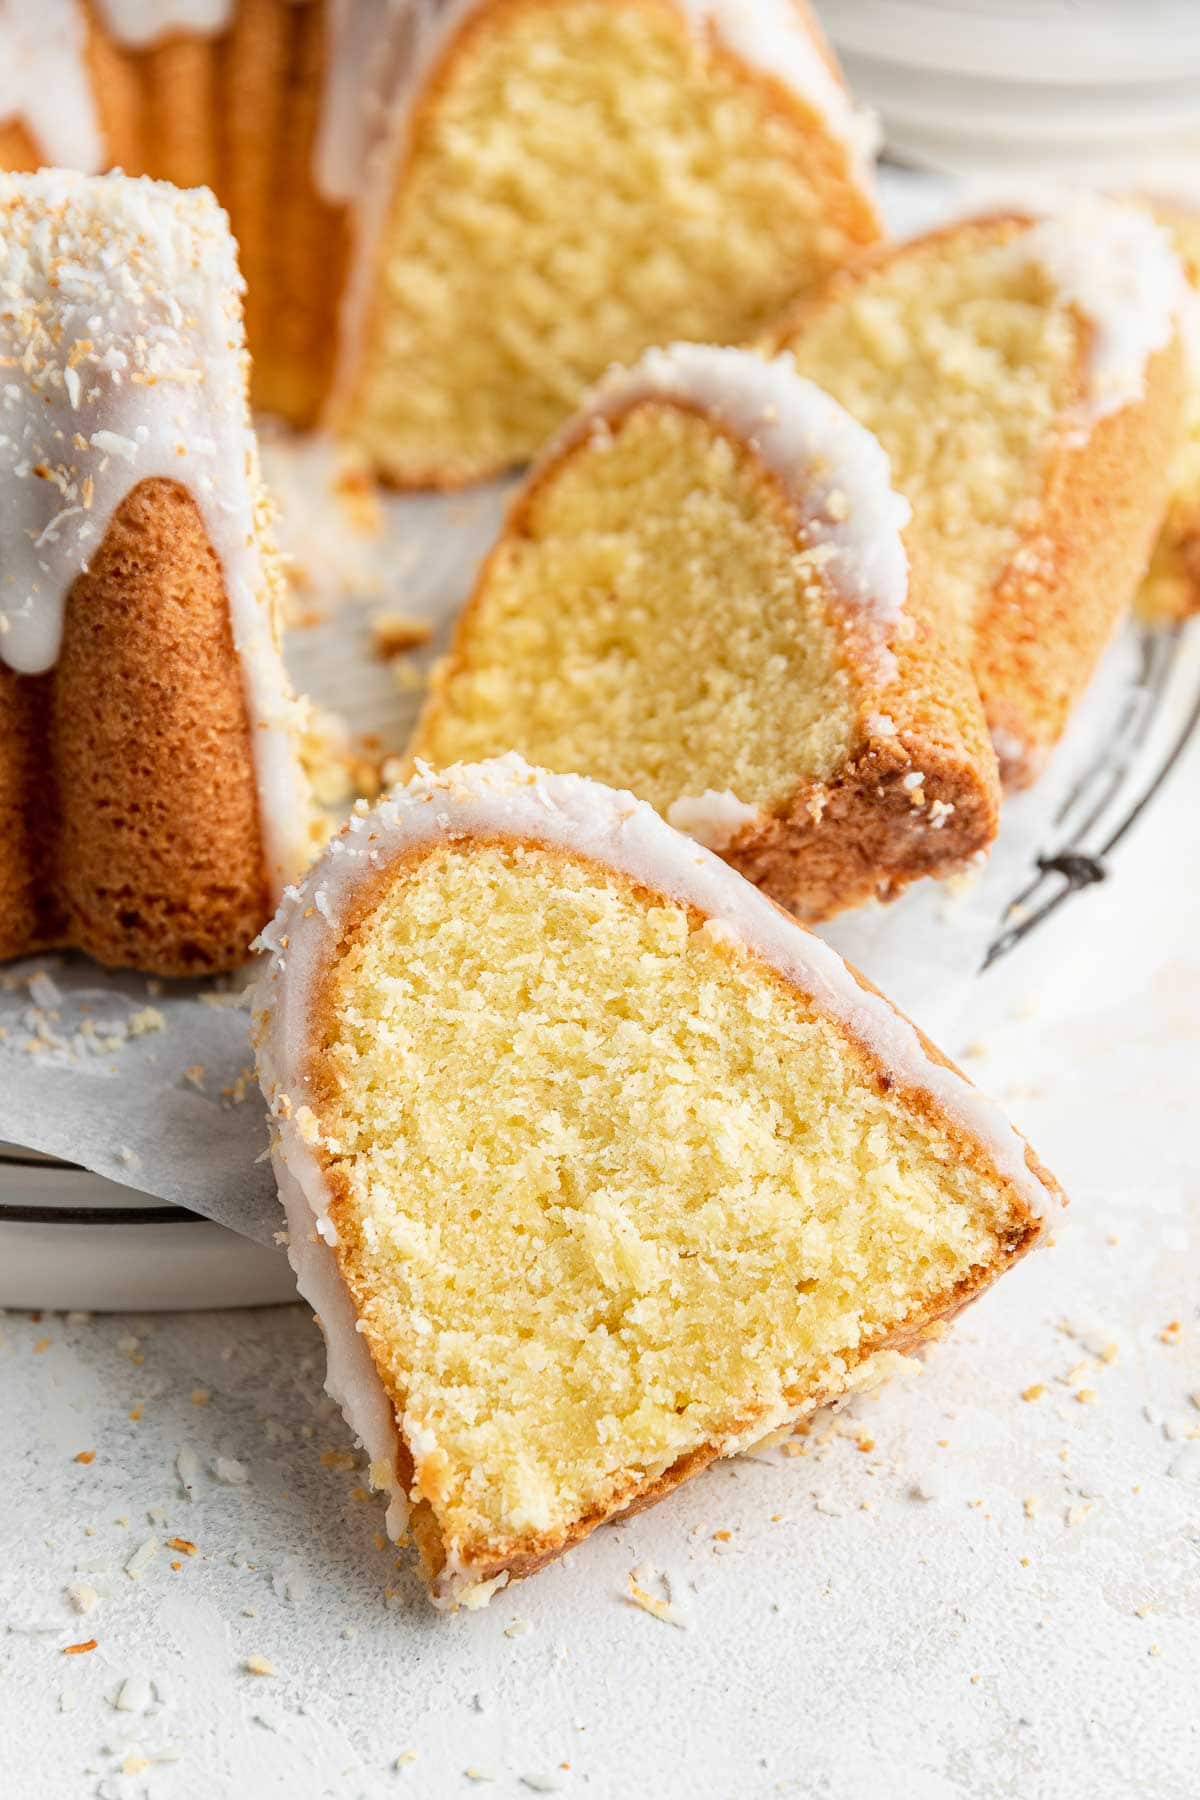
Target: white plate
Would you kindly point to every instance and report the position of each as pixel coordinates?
(1045, 87)
(71, 1241)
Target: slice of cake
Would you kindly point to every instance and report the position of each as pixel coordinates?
(704, 594)
(1025, 376)
(596, 1165)
(571, 181)
(1171, 590)
(151, 801)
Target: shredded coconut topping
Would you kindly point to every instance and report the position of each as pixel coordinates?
(122, 359)
(834, 471)
(1118, 269)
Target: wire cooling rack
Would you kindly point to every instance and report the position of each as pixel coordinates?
(1158, 714)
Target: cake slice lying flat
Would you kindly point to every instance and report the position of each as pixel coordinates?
(1171, 589)
(1025, 376)
(596, 1165)
(704, 594)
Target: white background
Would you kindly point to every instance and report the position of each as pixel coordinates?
(849, 1639)
(998, 1598)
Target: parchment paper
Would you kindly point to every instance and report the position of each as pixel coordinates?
(150, 1083)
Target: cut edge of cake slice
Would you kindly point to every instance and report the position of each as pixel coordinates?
(1060, 316)
(852, 758)
(929, 1156)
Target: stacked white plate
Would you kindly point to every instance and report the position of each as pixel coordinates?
(1104, 88)
(69, 1239)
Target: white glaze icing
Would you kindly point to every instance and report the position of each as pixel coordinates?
(1117, 267)
(772, 36)
(620, 832)
(714, 818)
(122, 358)
(44, 82)
(371, 49)
(834, 471)
(140, 23)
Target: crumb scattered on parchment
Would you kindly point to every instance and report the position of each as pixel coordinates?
(395, 633)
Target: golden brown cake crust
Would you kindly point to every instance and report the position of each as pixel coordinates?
(236, 111)
(524, 1556)
(1074, 571)
(1074, 576)
(1172, 589)
(128, 799)
(848, 210)
(864, 834)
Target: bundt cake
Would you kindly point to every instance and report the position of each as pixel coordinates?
(1025, 377)
(704, 594)
(495, 197)
(1171, 589)
(596, 1165)
(229, 94)
(151, 803)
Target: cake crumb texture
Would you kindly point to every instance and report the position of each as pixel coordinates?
(683, 1206)
(1036, 507)
(581, 181)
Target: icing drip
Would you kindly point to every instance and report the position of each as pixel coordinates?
(714, 818)
(834, 471)
(1117, 268)
(586, 819)
(369, 46)
(139, 23)
(44, 82)
(121, 359)
(771, 36)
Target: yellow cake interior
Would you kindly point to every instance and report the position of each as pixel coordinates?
(1171, 589)
(585, 180)
(960, 360)
(652, 622)
(608, 1189)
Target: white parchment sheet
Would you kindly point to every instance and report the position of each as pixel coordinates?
(150, 1084)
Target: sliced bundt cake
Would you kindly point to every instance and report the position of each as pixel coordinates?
(704, 594)
(238, 95)
(151, 803)
(1025, 377)
(596, 1165)
(511, 193)
(573, 181)
(1171, 589)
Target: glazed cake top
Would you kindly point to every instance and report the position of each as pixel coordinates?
(834, 471)
(1115, 265)
(122, 359)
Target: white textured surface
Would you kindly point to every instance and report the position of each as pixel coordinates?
(830, 1650)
